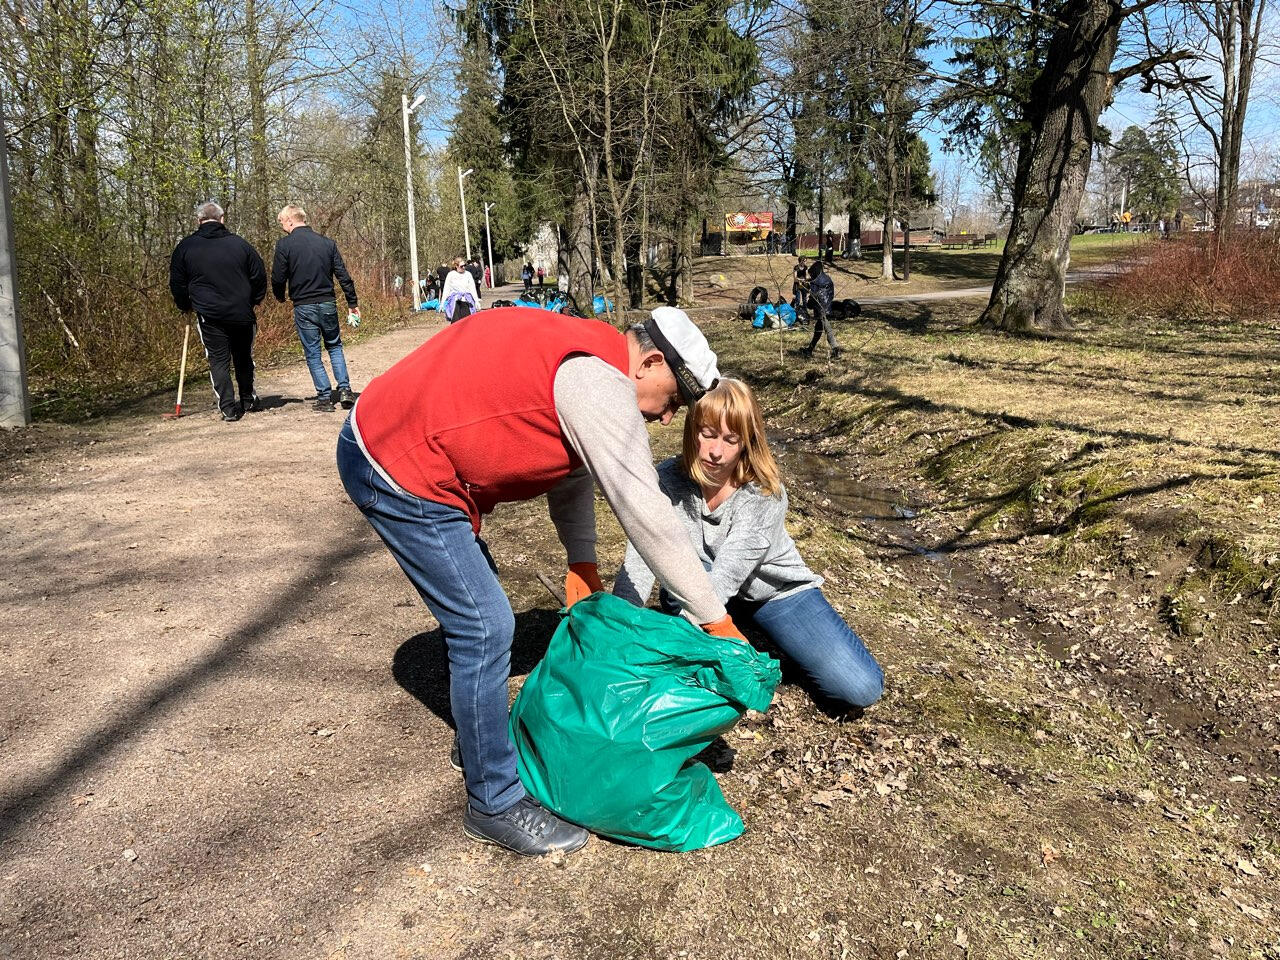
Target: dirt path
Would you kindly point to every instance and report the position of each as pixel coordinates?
(223, 734)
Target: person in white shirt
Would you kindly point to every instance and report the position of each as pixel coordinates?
(460, 281)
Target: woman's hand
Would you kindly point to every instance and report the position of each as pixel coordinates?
(724, 628)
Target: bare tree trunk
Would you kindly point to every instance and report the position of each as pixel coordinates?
(581, 247)
(1239, 23)
(685, 263)
(1068, 97)
(259, 215)
(890, 196)
(855, 228)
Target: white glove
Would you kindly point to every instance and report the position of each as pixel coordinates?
(353, 317)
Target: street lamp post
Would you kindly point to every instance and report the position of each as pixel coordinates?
(407, 108)
(462, 198)
(15, 403)
(488, 239)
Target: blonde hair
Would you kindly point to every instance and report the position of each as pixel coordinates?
(291, 211)
(458, 262)
(733, 402)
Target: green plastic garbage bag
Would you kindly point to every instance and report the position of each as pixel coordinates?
(606, 724)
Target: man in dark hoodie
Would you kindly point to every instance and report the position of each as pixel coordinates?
(221, 277)
(822, 294)
(307, 263)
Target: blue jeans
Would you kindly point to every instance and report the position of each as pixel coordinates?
(318, 323)
(455, 576)
(808, 630)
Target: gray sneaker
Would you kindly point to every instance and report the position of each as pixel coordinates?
(455, 756)
(528, 829)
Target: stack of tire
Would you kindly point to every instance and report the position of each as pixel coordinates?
(845, 310)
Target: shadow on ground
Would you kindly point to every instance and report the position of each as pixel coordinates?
(421, 666)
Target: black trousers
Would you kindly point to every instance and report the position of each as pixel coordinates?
(225, 345)
(821, 325)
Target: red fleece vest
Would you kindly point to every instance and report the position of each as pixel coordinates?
(468, 419)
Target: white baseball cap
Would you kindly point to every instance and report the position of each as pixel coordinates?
(685, 349)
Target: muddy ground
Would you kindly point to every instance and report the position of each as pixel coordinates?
(224, 734)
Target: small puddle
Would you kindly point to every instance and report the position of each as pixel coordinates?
(846, 495)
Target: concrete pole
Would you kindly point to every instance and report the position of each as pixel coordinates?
(488, 239)
(462, 199)
(408, 176)
(15, 404)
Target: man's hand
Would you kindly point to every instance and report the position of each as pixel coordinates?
(724, 628)
(580, 582)
(353, 316)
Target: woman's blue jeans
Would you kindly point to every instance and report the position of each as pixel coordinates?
(455, 576)
(808, 630)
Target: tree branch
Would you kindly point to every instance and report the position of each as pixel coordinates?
(1145, 67)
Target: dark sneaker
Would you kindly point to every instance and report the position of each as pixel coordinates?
(346, 398)
(528, 829)
(455, 756)
(323, 402)
(232, 415)
(836, 353)
(253, 404)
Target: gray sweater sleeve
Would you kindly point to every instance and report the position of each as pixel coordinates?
(747, 543)
(743, 543)
(572, 505)
(596, 405)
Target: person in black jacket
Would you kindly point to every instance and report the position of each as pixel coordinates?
(307, 262)
(822, 293)
(221, 277)
(477, 274)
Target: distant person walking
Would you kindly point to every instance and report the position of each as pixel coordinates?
(830, 248)
(822, 294)
(542, 275)
(526, 276)
(220, 277)
(306, 263)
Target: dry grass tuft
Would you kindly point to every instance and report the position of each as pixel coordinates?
(1193, 276)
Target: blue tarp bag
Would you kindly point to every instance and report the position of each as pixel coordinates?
(769, 315)
(601, 305)
(430, 305)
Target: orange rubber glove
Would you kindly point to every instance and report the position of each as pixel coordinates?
(580, 582)
(725, 628)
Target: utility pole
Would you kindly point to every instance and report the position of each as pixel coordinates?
(462, 199)
(407, 108)
(488, 239)
(15, 404)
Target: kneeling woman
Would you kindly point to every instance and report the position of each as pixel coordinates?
(727, 490)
